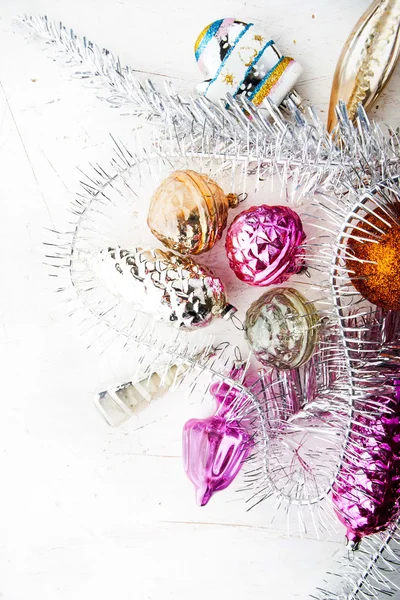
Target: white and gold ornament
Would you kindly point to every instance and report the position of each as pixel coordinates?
(116, 405)
(237, 59)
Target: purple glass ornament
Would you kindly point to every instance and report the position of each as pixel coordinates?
(262, 245)
(228, 397)
(213, 453)
(366, 495)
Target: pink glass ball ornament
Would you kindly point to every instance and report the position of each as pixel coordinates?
(263, 245)
(213, 453)
(366, 495)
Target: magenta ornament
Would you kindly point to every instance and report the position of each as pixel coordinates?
(366, 495)
(213, 453)
(263, 245)
(229, 397)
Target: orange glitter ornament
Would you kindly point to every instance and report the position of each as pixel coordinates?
(375, 268)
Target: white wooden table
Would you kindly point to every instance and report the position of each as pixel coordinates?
(88, 512)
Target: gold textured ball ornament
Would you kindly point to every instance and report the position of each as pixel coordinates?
(188, 212)
(374, 260)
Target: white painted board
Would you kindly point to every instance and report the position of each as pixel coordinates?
(89, 512)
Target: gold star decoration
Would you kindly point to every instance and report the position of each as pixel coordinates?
(258, 38)
(247, 55)
(228, 79)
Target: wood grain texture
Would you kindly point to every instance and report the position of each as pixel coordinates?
(88, 512)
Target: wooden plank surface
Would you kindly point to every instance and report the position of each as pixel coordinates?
(87, 512)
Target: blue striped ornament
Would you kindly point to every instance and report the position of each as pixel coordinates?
(236, 59)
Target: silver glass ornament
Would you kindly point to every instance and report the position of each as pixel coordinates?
(170, 288)
(281, 328)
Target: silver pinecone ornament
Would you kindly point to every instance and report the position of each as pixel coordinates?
(171, 288)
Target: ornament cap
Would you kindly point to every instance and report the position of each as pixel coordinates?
(233, 200)
(297, 100)
(353, 542)
(228, 312)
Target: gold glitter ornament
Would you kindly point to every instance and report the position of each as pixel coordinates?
(188, 212)
(367, 60)
(375, 268)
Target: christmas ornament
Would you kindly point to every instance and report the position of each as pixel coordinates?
(373, 257)
(188, 212)
(118, 404)
(171, 288)
(237, 59)
(366, 495)
(367, 60)
(281, 328)
(263, 245)
(214, 451)
(227, 396)
(215, 448)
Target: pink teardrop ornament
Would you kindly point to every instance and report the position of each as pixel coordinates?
(366, 495)
(213, 453)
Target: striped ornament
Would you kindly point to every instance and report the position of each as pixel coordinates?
(236, 59)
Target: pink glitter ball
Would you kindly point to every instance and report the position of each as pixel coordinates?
(262, 245)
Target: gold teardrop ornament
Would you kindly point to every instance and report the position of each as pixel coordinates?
(367, 60)
(188, 212)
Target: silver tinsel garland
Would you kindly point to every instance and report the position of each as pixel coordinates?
(289, 143)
